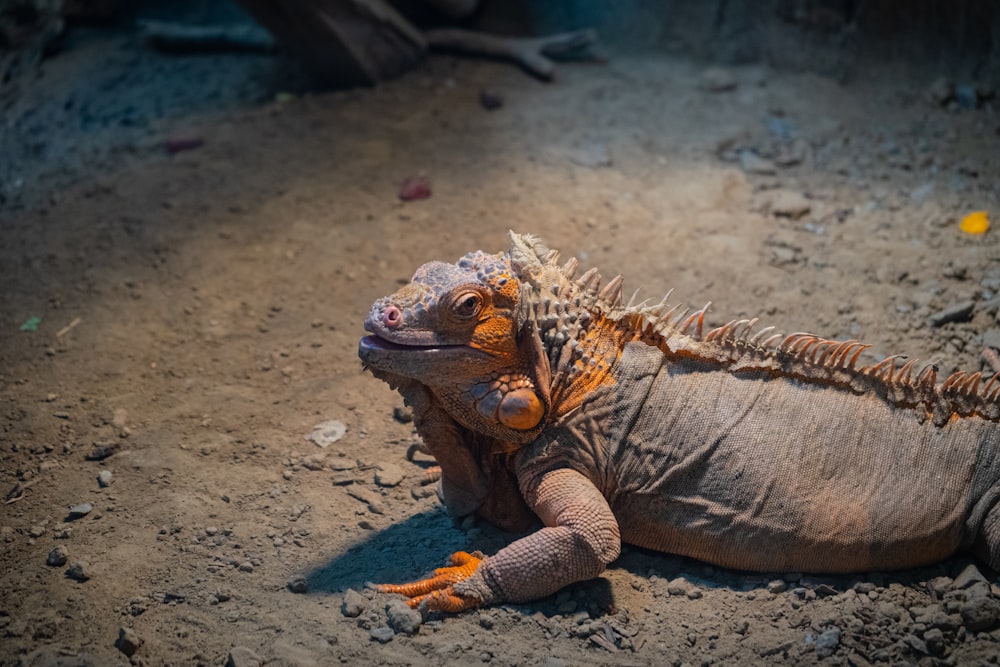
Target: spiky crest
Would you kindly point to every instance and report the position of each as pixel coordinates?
(554, 300)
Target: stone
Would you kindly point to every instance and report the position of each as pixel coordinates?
(966, 96)
(717, 80)
(57, 557)
(354, 603)
(240, 656)
(402, 414)
(969, 575)
(777, 586)
(678, 586)
(788, 204)
(958, 312)
(934, 640)
(980, 613)
(388, 475)
(104, 479)
(752, 163)
(592, 156)
(298, 584)
(402, 619)
(128, 642)
(328, 432)
(827, 642)
(383, 634)
(940, 91)
(79, 571)
(79, 511)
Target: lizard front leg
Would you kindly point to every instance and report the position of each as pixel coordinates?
(579, 539)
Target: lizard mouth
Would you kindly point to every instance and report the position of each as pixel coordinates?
(378, 352)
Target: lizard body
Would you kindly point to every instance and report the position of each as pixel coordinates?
(545, 396)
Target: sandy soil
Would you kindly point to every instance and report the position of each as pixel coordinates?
(200, 312)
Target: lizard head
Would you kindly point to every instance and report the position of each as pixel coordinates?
(458, 329)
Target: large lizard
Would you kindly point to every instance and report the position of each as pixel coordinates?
(544, 396)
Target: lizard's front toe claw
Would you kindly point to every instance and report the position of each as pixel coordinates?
(436, 593)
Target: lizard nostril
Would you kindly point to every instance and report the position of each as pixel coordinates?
(392, 317)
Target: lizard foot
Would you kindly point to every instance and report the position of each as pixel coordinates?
(437, 593)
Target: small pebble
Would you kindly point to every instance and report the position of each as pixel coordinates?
(326, 433)
(383, 634)
(104, 479)
(788, 204)
(298, 584)
(79, 571)
(752, 163)
(402, 414)
(490, 99)
(980, 613)
(354, 603)
(78, 511)
(959, 312)
(717, 80)
(128, 642)
(828, 642)
(57, 557)
(777, 586)
(240, 656)
(402, 619)
(388, 475)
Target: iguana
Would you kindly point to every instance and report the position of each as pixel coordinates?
(544, 396)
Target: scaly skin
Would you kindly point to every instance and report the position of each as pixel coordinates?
(544, 397)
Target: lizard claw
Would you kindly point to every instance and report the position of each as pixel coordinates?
(437, 593)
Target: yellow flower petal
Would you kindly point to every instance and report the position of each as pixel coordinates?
(976, 222)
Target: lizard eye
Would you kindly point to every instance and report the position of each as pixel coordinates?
(468, 305)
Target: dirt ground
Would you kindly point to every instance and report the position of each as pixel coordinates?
(199, 314)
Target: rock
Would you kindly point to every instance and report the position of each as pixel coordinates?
(326, 433)
(57, 557)
(128, 642)
(940, 585)
(354, 603)
(777, 586)
(78, 511)
(980, 613)
(402, 619)
(388, 475)
(788, 204)
(298, 584)
(940, 91)
(934, 640)
(969, 575)
(752, 163)
(915, 643)
(314, 462)
(240, 656)
(991, 338)
(966, 96)
(402, 414)
(591, 156)
(678, 586)
(79, 571)
(959, 312)
(104, 479)
(383, 634)
(693, 593)
(828, 642)
(717, 80)
(490, 99)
